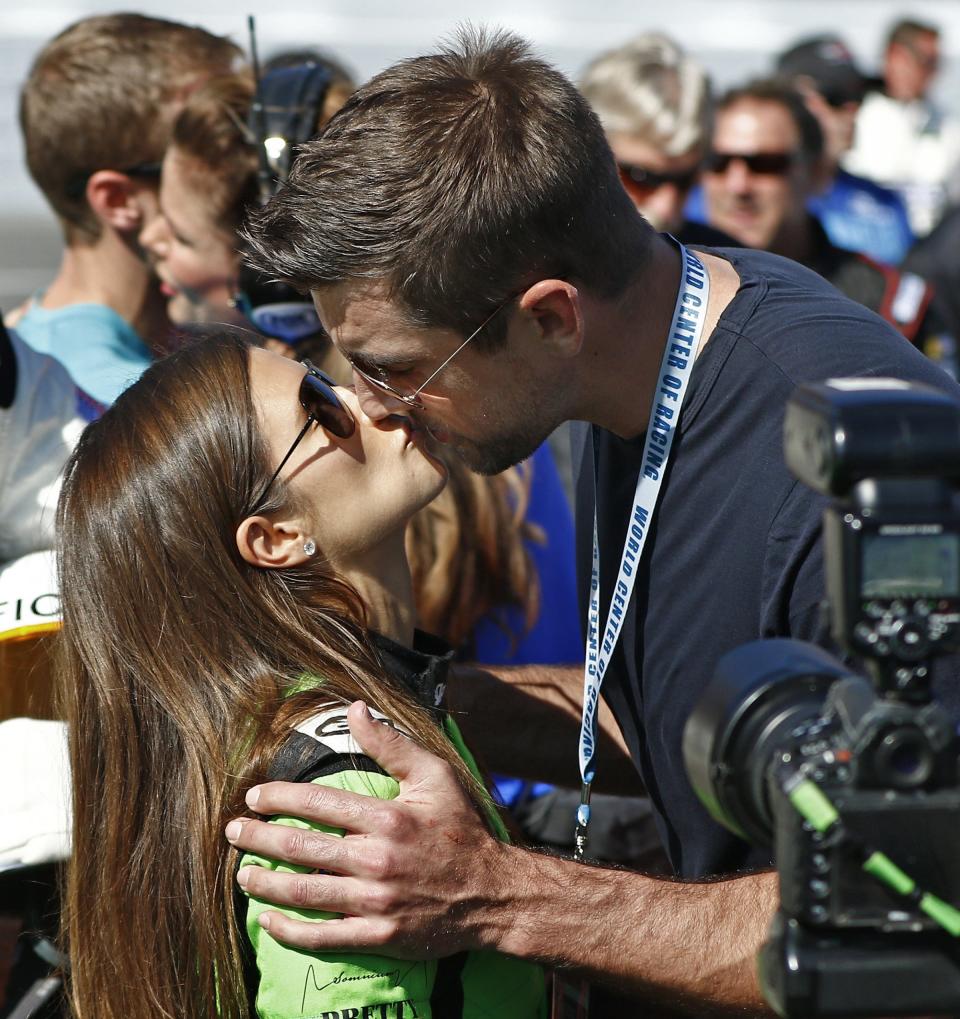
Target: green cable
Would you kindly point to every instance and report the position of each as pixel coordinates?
(884, 869)
(815, 808)
(942, 913)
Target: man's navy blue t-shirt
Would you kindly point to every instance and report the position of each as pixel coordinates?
(733, 552)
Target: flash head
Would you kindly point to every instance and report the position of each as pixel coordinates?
(839, 432)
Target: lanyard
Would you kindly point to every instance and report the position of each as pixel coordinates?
(683, 340)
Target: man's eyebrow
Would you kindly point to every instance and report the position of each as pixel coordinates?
(372, 363)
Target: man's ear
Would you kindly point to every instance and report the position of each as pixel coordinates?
(113, 198)
(554, 305)
(271, 545)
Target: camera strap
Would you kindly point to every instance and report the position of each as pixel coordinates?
(680, 349)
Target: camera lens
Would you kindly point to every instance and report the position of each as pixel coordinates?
(903, 758)
(763, 696)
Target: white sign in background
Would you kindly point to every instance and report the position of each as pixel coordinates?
(29, 602)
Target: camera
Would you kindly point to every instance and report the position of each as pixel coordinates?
(852, 780)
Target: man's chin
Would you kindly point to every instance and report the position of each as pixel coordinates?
(493, 456)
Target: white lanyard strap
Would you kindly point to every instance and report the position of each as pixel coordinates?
(679, 352)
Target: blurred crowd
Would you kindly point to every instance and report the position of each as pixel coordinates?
(153, 141)
(854, 176)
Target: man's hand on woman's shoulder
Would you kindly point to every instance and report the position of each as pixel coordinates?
(415, 877)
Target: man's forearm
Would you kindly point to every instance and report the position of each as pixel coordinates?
(691, 947)
(525, 721)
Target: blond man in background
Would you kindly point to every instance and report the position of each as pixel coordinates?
(654, 103)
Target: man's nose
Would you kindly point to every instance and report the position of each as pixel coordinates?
(153, 236)
(374, 402)
(737, 176)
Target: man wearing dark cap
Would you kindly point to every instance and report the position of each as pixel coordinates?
(856, 213)
(768, 158)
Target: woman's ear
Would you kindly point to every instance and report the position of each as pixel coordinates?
(273, 545)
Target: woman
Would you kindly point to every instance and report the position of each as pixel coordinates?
(233, 574)
(208, 183)
(208, 180)
(475, 581)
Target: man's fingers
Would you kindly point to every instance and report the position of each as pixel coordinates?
(396, 753)
(312, 891)
(335, 808)
(301, 846)
(346, 935)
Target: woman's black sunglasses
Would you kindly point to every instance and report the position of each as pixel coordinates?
(323, 406)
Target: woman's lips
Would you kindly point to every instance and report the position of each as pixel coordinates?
(415, 435)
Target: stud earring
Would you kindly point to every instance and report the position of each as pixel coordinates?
(309, 546)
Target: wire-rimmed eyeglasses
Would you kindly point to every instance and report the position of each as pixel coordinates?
(412, 399)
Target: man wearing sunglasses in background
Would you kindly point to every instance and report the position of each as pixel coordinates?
(856, 213)
(96, 112)
(653, 101)
(767, 160)
(470, 249)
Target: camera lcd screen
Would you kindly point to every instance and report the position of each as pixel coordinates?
(910, 565)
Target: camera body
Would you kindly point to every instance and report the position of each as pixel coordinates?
(888, 452)
(853, 781)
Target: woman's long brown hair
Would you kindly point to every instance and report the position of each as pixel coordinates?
(469, 557)
(176, 657)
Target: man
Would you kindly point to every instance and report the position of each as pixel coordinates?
(476, 259)
(767, 160)
(856, 213)
(654, 104)
(902, 139)
(96, 112)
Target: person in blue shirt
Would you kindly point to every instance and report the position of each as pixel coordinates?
(857, 214)
(123, 78)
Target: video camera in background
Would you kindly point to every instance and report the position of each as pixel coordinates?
(854, 781)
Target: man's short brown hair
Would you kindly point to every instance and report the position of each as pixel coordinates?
(456, 179)
(906, 31)
(102, 95)
(783, 92)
